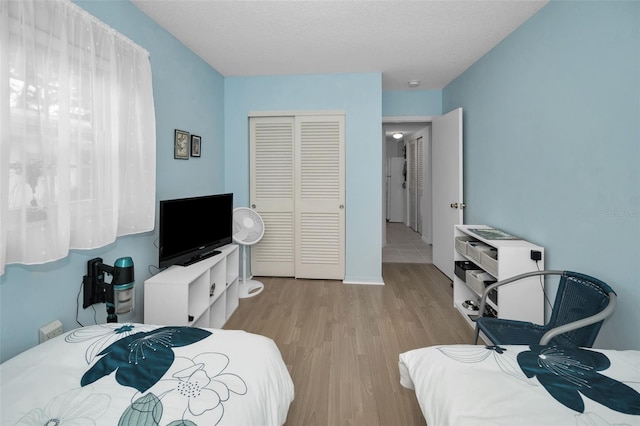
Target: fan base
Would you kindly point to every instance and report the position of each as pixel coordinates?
(249, 288)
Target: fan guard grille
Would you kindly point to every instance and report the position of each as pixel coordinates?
(248, 227)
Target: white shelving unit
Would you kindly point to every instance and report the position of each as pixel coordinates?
(498, 259)
(203, 294)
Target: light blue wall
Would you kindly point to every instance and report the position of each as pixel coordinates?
(551, 153)
(359, 96)
(411, 103)
(552, 145)
(188, 95)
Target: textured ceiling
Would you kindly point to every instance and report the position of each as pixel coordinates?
(430, 41)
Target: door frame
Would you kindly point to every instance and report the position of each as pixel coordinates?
(298, 115)
(392, 120)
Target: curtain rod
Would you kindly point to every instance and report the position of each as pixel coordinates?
(77, 9)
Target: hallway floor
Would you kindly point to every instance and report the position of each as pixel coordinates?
(405, 246)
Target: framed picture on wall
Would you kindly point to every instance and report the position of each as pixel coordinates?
(181, 145)
(195, 146)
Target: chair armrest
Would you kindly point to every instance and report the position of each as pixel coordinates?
(485, 293)
(602, 315)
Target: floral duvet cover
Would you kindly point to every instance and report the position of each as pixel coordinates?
(523, 385)
(137, 374)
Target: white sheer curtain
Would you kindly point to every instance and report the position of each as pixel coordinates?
(77, 121)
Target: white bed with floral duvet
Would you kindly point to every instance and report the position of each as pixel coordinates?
(137, 374)
(523, 385)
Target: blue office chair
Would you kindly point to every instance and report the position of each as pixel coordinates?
(581, 305)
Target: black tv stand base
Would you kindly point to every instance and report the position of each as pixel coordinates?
(203, 256)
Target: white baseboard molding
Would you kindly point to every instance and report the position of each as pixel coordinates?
(363, 280)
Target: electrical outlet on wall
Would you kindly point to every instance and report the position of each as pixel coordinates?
(51, 330)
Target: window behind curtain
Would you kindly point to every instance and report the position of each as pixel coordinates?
(77, 163)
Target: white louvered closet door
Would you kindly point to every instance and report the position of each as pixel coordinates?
(319, 201)
(272, 194)
(419, 182)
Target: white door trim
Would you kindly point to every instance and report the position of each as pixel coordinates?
(390, 119)
(408, 119)
(294, 113)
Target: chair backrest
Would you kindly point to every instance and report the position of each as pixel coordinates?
(579, 296)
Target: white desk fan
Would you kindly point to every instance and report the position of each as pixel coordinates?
(248, 229)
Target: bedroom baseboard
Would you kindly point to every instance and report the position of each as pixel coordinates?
(366, 281)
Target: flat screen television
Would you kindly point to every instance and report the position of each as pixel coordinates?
(192, 228)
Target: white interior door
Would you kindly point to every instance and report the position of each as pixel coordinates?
(447, 186)
(419, 183)
(395, 191)
(272, 194)
(413, 185)
(319, 202)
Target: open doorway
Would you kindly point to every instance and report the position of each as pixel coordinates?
(407, 189)
(404, 245)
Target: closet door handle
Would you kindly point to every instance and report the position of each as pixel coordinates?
(342, 206)
(253, 206)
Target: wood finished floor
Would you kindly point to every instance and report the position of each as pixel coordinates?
(341, 342)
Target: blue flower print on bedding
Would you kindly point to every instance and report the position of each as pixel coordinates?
(568, 372)
(141, 359)
(101, 336)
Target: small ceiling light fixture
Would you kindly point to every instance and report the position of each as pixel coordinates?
(397, 135)
(414, 83)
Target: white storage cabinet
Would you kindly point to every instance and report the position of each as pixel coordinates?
(498, 259)
(203, 294)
